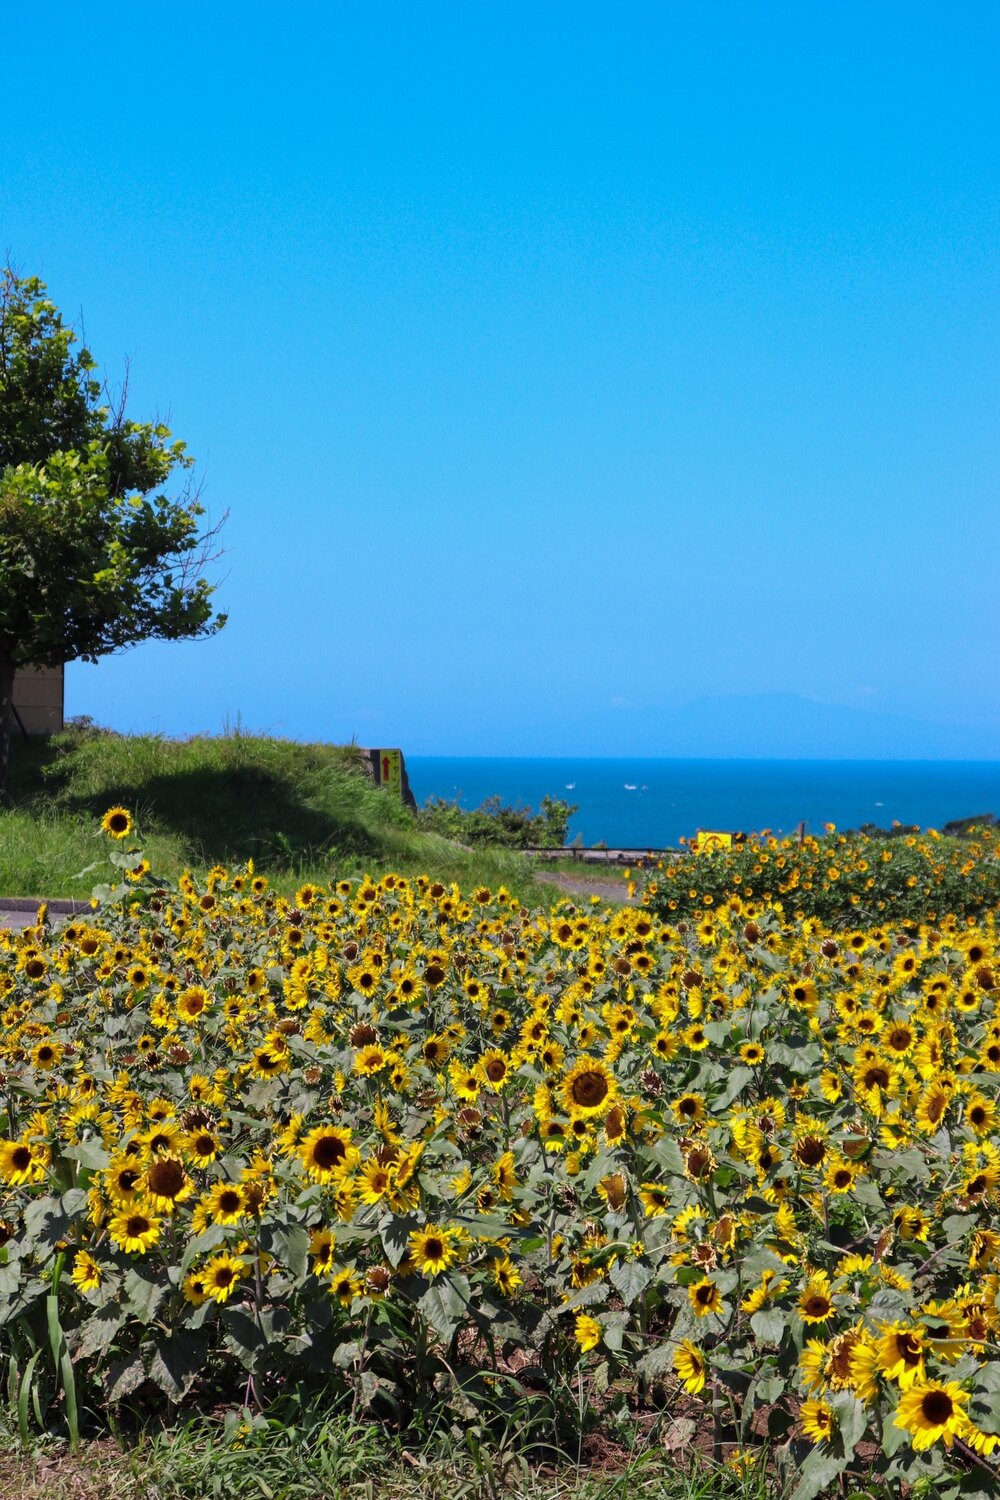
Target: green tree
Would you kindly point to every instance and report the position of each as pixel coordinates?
(94, 555)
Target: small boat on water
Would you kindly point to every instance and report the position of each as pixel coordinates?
(629, 787)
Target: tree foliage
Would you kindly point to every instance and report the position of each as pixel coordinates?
(94, 554)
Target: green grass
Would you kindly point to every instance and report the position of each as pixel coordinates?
(299, 811)
(322, 1457)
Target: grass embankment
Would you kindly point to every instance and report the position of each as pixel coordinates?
(300, 812)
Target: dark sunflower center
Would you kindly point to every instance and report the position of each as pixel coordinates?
(229, 1202)
(817, 1306)
(166, 1178)
(810, 1151)
(589, 1089)
(937, 1407)
(329, 1151)
(496, 1068)
(21, 1158)
(433, 1249)
(909, 1348)
(136, 1225)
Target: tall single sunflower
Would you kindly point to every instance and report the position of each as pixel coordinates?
(117, 823)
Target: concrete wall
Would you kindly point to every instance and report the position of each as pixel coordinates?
(38, 698)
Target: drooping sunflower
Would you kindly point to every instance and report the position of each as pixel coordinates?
(817, 1420)
(588, 1332)
(433, 1250)
(690, 1367)
(117, 823)
(589, 1088)
(86, 1274)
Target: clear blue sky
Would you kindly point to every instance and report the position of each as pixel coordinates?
(559, 364)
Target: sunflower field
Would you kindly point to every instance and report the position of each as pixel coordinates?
(845, 879)
(428, 1146)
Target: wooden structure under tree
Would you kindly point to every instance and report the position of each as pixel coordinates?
(39, 700)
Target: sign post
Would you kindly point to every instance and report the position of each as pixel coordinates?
(390, 770)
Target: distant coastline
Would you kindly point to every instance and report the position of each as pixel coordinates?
(655, 802)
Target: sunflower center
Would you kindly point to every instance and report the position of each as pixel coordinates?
(433, 1249)
(810, 1151)
(329, 1151)
(137, 1225)
(21, 1158)
(937, 1407)
(589, 1089)
(495, 1069)
(166, 1177)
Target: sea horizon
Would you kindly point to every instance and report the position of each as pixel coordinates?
(655, 801)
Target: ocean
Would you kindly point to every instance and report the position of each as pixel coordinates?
(636, 803)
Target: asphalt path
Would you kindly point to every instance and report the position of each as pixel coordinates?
(21, 911)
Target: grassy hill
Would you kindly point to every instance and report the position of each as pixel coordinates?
(301, 812)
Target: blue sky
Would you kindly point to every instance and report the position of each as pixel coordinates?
(572, 373)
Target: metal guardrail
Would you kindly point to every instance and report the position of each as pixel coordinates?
(601, 856)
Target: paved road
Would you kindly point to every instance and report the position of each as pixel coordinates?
(19, 911)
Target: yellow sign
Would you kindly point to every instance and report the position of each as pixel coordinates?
(708, 843)
(390, 770)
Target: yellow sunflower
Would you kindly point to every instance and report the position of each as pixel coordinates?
(589, 1088)
(117, 823)
(134, 1229)
(433, 1250)
(931, 1411)
(690, 1367)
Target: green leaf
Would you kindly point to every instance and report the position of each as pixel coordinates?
(125, 1376)
(143, 1295)
(630, 1278)
(819, 1470)
(395, 1231)
(90, 1154)
(769, 1325)
(738, 1080)
(445, 1304)
(99, 1331)
(289, 1244)
(175, 1363)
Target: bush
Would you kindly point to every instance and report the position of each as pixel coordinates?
(494, 823)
